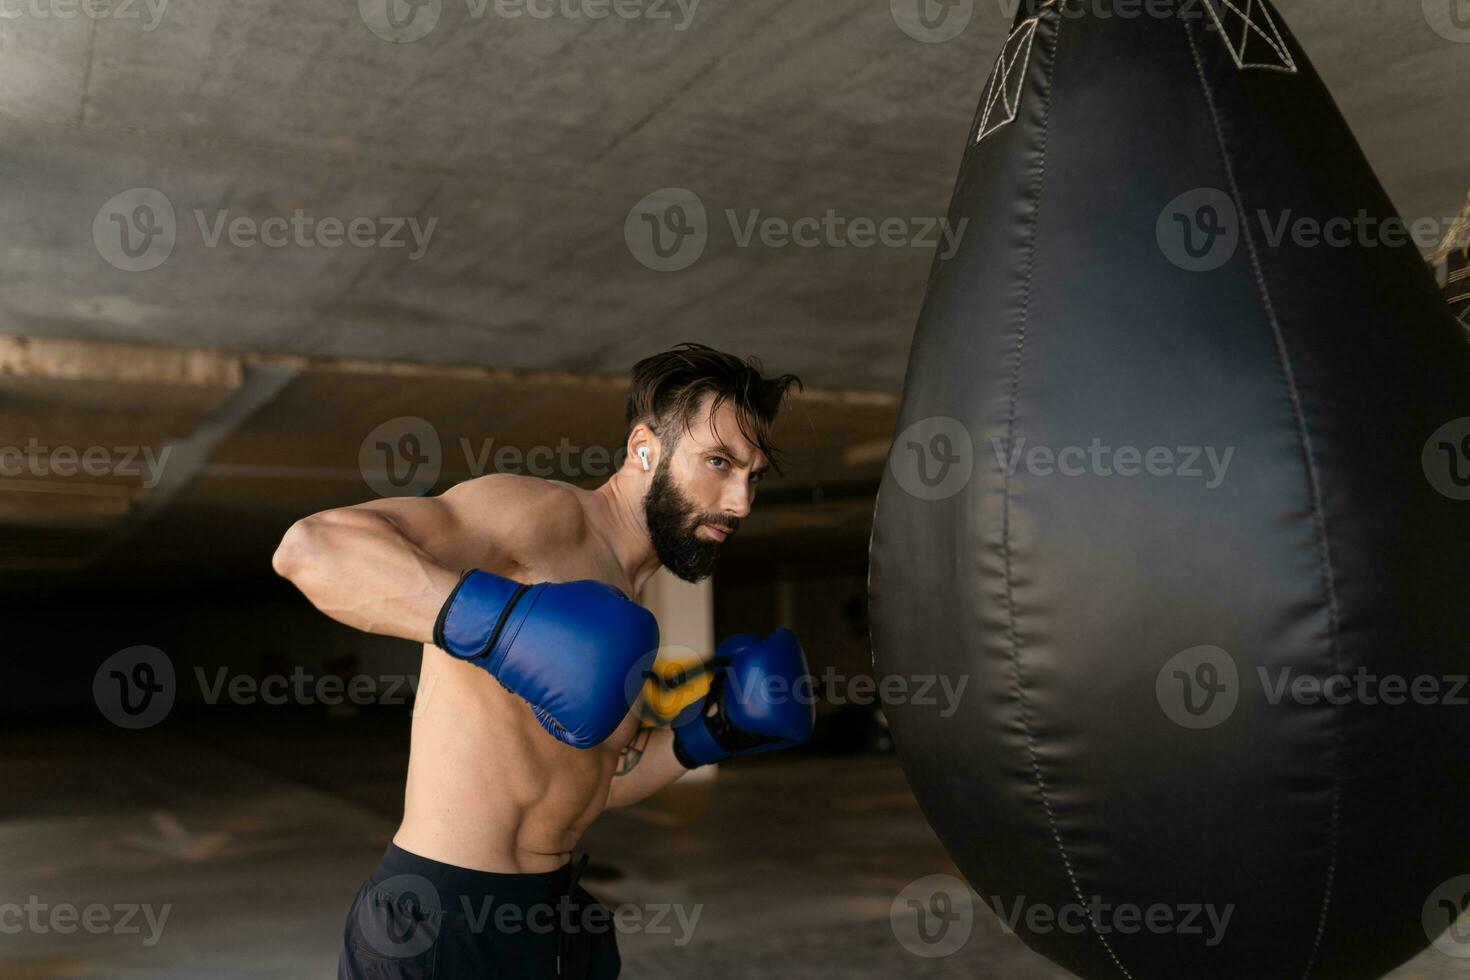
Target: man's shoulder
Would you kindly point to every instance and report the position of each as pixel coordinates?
(526, 508)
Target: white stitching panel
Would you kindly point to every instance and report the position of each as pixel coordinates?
(1008, 77)
(1255, 25)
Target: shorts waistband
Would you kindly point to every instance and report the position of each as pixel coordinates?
(452, 880)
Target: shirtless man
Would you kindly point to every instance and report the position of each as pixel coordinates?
(518, 588)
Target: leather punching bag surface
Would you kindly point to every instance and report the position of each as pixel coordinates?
(1168, 463)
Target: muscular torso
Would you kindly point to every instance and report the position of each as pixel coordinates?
(488, 788)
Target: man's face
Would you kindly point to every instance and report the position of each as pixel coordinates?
(701, 489)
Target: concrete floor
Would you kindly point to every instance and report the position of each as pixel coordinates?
(257, 836)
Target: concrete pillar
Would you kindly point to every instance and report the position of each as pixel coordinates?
(686, 613)
(785, 598)
(686, 619)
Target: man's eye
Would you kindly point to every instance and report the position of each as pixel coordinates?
(757, 477)
(719, 462)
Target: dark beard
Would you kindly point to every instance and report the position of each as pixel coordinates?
(672, 521)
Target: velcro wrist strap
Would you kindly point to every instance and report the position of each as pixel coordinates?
(475, 613)
(695, 744)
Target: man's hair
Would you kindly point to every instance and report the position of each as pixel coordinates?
(668, 388)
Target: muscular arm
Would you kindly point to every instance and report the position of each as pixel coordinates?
(645, 767)
(387, 566)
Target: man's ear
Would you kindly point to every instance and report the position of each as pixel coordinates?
(643, 448)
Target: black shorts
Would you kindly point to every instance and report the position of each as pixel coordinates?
(417, 919)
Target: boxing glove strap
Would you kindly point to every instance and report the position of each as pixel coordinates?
(695, 744)
(464, 628)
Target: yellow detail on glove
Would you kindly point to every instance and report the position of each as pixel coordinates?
(679, 678)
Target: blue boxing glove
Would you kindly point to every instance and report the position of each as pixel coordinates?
(758, 698)
(565, 649)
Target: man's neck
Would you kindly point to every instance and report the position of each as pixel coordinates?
(625, 531)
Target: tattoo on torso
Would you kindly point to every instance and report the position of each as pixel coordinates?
(629, 758)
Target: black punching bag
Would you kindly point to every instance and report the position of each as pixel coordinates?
(1180, 494)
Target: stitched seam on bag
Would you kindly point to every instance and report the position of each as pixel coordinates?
(998, 85)
(1018, 685)
(1319, 518)
(1278, 44)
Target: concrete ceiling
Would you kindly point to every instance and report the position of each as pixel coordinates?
(528, 142)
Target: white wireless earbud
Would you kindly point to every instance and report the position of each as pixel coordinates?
(643, 455)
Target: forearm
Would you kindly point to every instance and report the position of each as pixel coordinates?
(357, 568)
(645, 767)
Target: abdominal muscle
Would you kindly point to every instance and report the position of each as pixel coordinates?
(488, 788)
